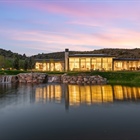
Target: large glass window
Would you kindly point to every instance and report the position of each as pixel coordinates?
(73, 64)
(88, 64)
(48, 67)
(107, 63)
(57, 67)
(52, 67)
(117, 65)
(105, 60)
(98, 60)
(83, 64)
(125, 65)
(93, 64)
(76, 63)
(39, 66)
(44, 66)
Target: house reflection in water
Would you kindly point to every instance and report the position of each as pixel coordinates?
(74, 95)
(49, 93)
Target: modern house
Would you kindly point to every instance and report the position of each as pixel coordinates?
(87, 62)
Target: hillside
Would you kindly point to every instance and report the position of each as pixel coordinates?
(119, 53)
(10, 54)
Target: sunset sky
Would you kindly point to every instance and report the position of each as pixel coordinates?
(43, 26)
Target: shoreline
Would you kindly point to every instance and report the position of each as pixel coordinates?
(118, 77)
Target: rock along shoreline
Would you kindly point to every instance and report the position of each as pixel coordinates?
(44, 78)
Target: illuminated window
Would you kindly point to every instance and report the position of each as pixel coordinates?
(44, 66)
(98, 60)
(119, 64)
(73, 64)
(105, 60)
(93, 64)
(52, 67)
(58, 66)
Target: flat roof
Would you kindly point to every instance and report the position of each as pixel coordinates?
(126, 59)
(91, 55)
(49, 60)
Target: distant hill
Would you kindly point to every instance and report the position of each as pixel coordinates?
(10, 54)
(119, 53)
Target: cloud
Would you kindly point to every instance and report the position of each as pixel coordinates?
(75, 25)
(92, 9)
(50, 41)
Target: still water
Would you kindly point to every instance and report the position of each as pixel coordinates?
(69, 112)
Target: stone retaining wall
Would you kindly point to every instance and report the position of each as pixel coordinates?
(84, 79)
(78, 79)
(44, 78)
(32, 77)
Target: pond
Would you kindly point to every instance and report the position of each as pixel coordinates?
(69, 112)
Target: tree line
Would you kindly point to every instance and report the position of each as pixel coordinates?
(16, 63)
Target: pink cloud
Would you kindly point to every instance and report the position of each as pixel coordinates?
(88, 9)
(85, 9)
(111, 38)
(89, 23)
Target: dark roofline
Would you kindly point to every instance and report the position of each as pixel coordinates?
(90, 55)
(49, 60)
(126, 59)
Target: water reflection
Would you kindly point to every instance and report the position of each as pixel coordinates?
(74, 95)
(70, 95)
(49, 92)
(37, 112)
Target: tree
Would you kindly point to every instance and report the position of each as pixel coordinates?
(8, 63)
(31, 63)
(16, 63)
(25, 64)
(21, 64)
(24, 56)
(1, 61)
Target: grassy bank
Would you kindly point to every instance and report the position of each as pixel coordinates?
(11, 72)
(122, 77)
(15, 72)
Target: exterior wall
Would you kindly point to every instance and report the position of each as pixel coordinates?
(126, 65)
(49, 66)
(87, 63)
(90, 63)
